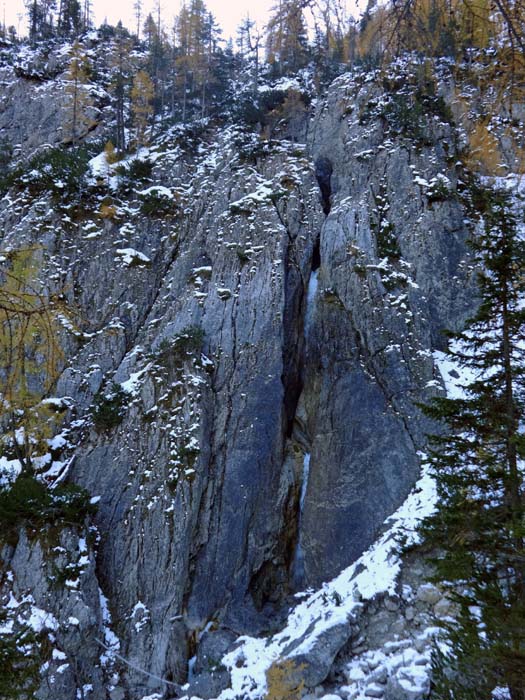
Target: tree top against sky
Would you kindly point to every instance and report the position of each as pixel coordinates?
(228, 15)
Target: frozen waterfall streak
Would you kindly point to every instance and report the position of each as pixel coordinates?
(298, 563)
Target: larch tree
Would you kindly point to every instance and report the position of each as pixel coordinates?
(286, 38)
(30, 356)
(196, 36)
(142, 94)
(77, 94)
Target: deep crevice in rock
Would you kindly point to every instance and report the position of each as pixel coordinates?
(323, 173)
(316, 255)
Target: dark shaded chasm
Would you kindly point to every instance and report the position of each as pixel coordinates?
(323, 173)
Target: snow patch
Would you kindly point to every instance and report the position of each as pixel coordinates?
(130, 256)
(375, 572)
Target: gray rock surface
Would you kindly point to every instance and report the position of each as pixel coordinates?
(235, 372)
(49, 581)
(392, 277)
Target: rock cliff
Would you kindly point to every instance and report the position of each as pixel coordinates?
(271, 319)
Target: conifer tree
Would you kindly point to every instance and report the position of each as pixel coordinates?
(137, 8)
(286, 40)
(120, 80)
(196, 38)
(77, 94)
(29, 358)
(249, 41)
(69, 18)
(40, 19)
(478, 530)
(87, 15)
(142, 94)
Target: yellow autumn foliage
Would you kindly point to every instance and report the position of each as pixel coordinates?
(30, 356)
(484, 153)
(283, 680)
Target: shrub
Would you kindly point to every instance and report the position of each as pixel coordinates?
(406, 112)
(6, 153)
(387, 245)
(156, 203)
(57, 170)
(188, 341)
(107, 210)
(284, 680)
(134, 172)
(112, 156)
(108, 408)
(29, 502)
(177, 349)
(20, 662)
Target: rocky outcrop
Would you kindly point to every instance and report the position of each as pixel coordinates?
(35, 104)
(49, 587)
(392, 276)
(272, 325)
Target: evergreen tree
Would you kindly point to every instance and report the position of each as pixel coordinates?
(69, 18)
(87, 15)
(196, 38)
(120, 80)
(137, 7)
(478, 529)
(249, 41)
(40, 19)
(158, 59)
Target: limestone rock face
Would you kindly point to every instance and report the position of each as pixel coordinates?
(392, 276)
(35, 107)
(273, 331)
(50, 587)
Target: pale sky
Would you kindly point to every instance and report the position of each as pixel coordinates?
(228, 13)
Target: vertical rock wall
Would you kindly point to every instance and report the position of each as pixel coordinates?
(274, 335)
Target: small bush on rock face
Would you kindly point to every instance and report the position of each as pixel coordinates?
(177, 349)
(108, 408)
(284, 682)
(156, 203)
(57, 170)
(6, 153)
(387, 245)
(29, 502)
(19, 661)
(136, 172)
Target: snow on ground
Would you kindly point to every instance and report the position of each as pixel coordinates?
(31, 615)
(283, 84)
(9, 470)
(408, 669)
(156, 191)
(375, 572)
(111, 641)
(133, 384)
(99, 166)
(455, 377)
